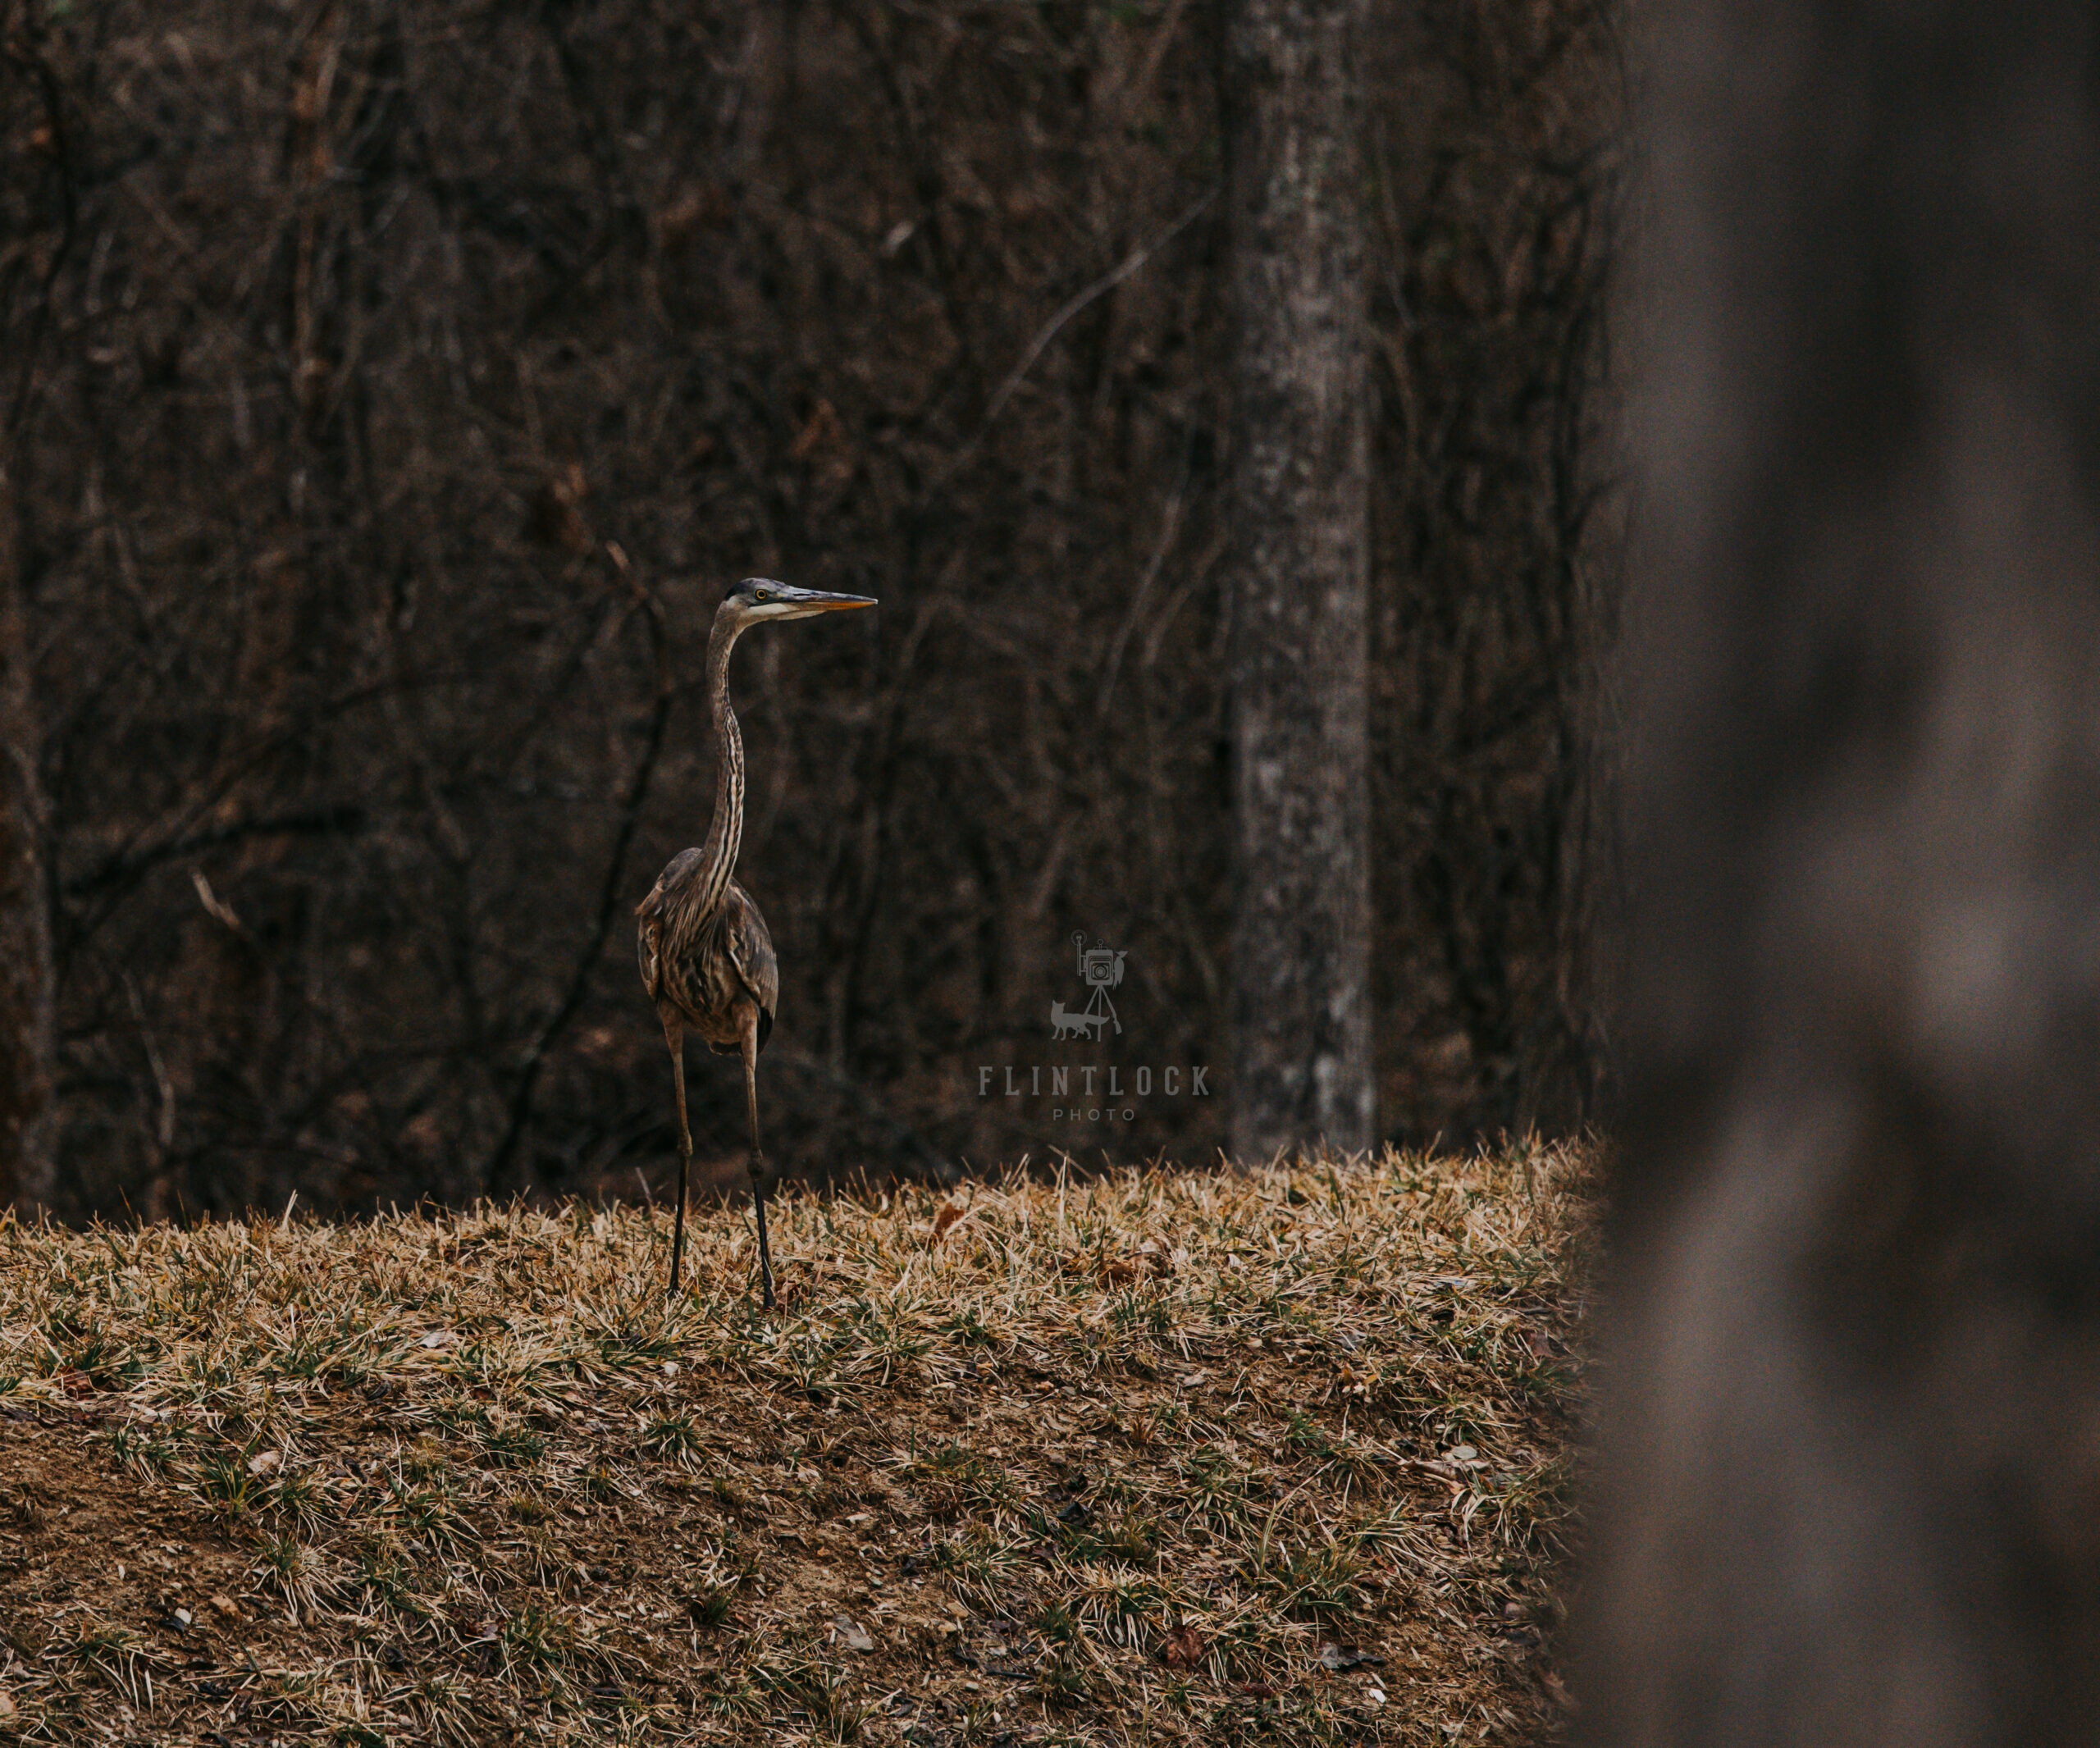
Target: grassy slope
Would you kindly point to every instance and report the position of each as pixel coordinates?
(1130, 1460)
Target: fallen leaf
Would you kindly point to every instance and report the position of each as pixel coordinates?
(76, 1383)
(1148, 1258)
(1345, 1657)
(948, 1217)
(225, 1605)
(263, 1461)
(1183, 1650)
(852, 1635)
(7, 1704)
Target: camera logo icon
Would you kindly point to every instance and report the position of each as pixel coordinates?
(1101, 969)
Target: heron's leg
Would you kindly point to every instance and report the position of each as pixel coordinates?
(675, 1035)
(758, 1154)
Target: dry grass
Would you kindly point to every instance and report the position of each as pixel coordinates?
(1152, 1458)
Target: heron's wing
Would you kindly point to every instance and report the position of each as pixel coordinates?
(749, 948)
(648, 953)
(653, 914)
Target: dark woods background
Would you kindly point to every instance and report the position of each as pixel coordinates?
(394, 388)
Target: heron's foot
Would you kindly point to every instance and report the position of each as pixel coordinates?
(764, 1246)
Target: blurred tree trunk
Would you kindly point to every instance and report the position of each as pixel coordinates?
(1300, 510)
(25, 969)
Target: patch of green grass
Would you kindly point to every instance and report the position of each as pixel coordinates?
(675, 1437)
(1313, 1581)
(538, 1638)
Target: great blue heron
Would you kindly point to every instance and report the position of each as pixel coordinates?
(706, 959)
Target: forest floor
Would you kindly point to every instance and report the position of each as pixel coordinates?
(1163, 1457)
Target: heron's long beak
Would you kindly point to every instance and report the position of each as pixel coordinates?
(796, 604)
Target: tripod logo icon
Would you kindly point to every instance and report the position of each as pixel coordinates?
(1101, 969)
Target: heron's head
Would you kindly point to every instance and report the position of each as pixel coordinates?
(757, 599)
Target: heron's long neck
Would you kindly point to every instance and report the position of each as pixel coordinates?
(725, 831)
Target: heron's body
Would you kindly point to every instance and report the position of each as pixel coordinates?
(705, 973)
(706, 958)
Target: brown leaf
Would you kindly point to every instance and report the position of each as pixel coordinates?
(1148, 1258)
(948, 1217)
(1183, 1650)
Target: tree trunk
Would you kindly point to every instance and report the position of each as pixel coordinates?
(1300, 509)
(25, 970)
(1847, 1459)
